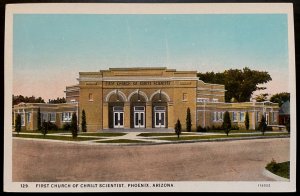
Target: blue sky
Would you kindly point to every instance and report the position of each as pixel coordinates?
(50, 49)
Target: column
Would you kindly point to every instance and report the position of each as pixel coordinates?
(127, 115)
(170, 111)
(105, 115)
(149, 115)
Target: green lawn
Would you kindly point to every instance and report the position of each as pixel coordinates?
(49, 131)
(280, 169)
(162, 134)
(55, 137)
(123, 141)
(215, 136)
(234, 131)
(102, 134)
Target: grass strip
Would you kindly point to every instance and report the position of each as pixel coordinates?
(162, 134)
(216, 136)
(280, 169)
(56, 137)
(103, 134)
(123, 141)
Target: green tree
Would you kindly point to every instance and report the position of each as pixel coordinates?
(247, 123)
(239, 84)
(226, 123)
(39, 120)
(45, 128)
(83, 121)
(188, 120)
(262, 124)
(178, 128)
(18, 123)
(74, 127)
(261, 97)
(280, 98)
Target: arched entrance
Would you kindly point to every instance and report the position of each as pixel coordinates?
(116, 109)
(138, 101)
(159, 109)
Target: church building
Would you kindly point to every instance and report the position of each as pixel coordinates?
(145, 99)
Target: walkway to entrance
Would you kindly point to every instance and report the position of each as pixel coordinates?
(153, 130)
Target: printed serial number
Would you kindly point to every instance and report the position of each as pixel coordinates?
(264, 185)
(24, 185)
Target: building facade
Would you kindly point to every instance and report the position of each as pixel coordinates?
(148, 98)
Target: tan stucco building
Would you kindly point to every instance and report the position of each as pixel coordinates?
(147, 98)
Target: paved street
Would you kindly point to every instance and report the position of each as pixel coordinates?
(242, 160)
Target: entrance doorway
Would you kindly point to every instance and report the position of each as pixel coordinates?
(139, 117)
(118, 117)
(160, 116)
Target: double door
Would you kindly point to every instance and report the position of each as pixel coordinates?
(139, 117)
(160, 117)
(118, 118)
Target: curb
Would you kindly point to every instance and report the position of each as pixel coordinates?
(274, 176)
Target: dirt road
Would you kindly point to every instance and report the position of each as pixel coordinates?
(243, 160)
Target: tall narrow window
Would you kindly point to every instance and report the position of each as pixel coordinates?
(90, 96)
(242, 116)
(184, 97)
(234, 116)
(28, 117)
(22, 119)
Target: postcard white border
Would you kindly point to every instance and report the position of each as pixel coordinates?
(153, 8)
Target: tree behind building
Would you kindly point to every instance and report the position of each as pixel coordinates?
(188, 120)
(226, 123)
(74, 127)
(83, 121)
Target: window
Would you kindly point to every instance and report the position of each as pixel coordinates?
(184, 97)
(90, 96)
(44, 117)
(202, 100)
(22, 119)
(67, 116)
(257, 117)
(274, 117)
(234, 116)
(160, 108)
(215, 116)
(52, 117)
(242, 116)
(220, 116)
(28, 117)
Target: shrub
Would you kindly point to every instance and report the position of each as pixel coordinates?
(18, 123)
(272, 166)
(247, 123)
(226, 123)
(67, 126)
(178, 128)
(262, 124)
(45, 128)
(52, 126)
(235, 127)
(200, 129)
(83, 121)
(74, 127)
(188, 120)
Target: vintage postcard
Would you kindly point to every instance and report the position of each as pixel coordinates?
(150, 98)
